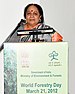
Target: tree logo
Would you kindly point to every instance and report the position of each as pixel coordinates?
(53, 55)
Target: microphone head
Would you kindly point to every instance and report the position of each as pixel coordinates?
(23, 21)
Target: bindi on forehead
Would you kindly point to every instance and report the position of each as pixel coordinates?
(31, 10)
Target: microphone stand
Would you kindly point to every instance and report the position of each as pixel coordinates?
(8, 38)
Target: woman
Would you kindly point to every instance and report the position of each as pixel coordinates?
(33, 14)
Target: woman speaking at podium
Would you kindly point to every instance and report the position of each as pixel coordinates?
(34, 20)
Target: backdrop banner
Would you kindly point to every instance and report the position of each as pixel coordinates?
(36, 68)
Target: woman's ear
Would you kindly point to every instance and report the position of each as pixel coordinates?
(40, 18)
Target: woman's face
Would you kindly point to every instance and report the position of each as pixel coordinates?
(32, 15)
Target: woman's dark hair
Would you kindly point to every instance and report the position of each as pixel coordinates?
(39, 9)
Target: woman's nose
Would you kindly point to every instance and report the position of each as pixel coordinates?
(31, 15)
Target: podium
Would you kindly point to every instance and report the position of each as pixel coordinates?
(36, 68)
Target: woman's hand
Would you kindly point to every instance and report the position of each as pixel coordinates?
(56, 37)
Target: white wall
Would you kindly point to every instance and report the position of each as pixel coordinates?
(60, 14)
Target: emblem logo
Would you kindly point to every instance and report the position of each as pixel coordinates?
(53, 55)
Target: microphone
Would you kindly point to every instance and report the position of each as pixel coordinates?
(23, 21)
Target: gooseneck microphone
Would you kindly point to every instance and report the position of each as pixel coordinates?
(8, 38)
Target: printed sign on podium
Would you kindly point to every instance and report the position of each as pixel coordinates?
(36, 68)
